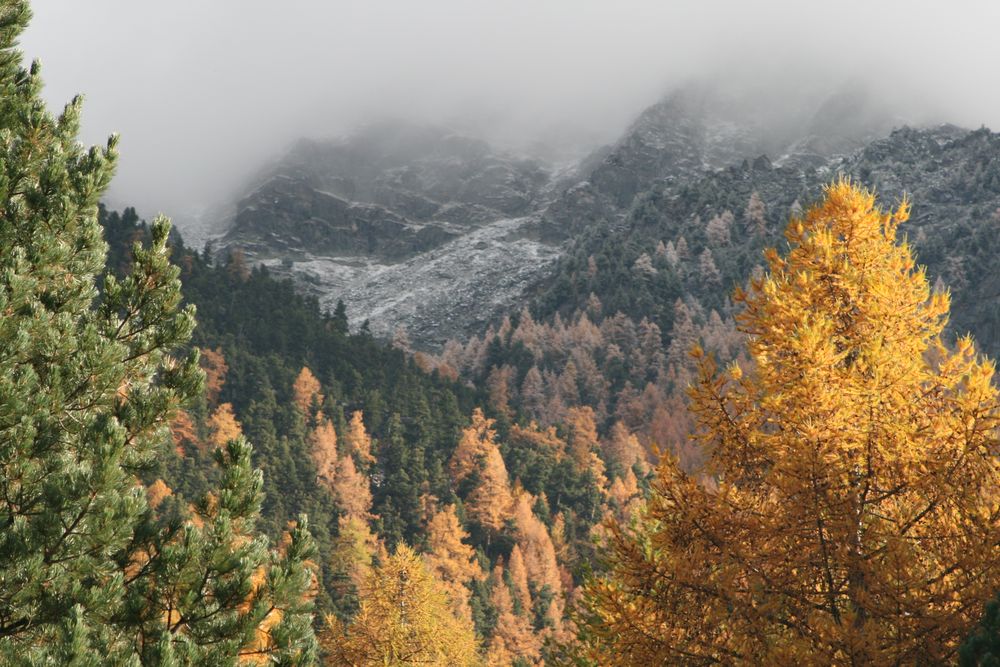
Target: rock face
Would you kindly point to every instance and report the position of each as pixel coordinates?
(389, 192)
(421, 229)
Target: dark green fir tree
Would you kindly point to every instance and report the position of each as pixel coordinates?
(92, 572)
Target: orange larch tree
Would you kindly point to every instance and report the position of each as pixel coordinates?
(306, 391)
(451, 560)
(357, 442)
(853, 514)
(214, 364)
(323, 451)
(223, 425)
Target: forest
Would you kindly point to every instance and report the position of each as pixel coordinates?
(760, 443)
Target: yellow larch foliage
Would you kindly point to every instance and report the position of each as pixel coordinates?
(519, 579)
(624, 448)
(490, 501)
(451, 560)
(533, 437)
(352, 489)
(476, 440)
(306, 391)
(535, 544)
(223, 425)
(404, 619)
(352, 554)
(854, 514)
(513, 636)
(583, 444)
(323, 451)
(625, 494)
(214, 364)
(357, 442)
(183, 433)
(157, 492)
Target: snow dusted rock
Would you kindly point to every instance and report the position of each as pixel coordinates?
(446, 292)
(390, 191)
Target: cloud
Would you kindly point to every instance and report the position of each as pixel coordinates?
(204, 92)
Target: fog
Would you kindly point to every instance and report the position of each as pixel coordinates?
(203, 92)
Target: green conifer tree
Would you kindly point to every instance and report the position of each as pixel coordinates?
(90, 574)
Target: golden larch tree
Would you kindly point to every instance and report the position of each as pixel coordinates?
(323, 451)
(352, 554)
(853, 514)
(306, 391)
(223, 425)
(535, 544)
(476, 440)
(451, 560)
(404, 619)
(519, 579)
(352, 489)
(624, 448)
(490, 501)
(513, 636)
(357, 442)
(581, 427)
(184, 433)
(213, 362)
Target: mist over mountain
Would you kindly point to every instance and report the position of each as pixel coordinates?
(422, 228)
(200, 104)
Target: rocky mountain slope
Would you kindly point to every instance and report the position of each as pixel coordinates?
(696, 240)
(388, 192)
(421, 229)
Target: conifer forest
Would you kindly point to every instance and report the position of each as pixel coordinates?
(708, 384)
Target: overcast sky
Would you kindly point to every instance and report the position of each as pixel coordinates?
(203, 91)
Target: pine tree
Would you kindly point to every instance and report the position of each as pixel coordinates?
(89, 573)
(853, 514)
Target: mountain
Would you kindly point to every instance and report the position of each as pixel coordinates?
(410, 226)
(699, 128)
(421, 229)
(951, 176)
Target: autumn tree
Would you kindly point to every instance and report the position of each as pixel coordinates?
(513, 636)
(852, 517)
(223, 425)
(213, 363)
(306, 391)
(624, 448)
(357, 442)
(534, 545)
(323, 451)
(490, 500)
(352, 490)
(754, 214)
(404, 619)
(451, 559)
(478, 470)
(583, 444)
